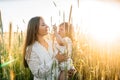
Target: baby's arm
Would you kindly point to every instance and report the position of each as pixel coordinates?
(59, 39)
(69, 46)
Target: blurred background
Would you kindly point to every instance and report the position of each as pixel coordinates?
(96, 48)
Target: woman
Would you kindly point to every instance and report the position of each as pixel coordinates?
(38, 51)
(64, 45)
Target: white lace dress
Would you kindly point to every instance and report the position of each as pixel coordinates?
(63, 49)
(42, 62)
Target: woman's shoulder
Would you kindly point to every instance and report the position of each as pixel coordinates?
(33, 46)
(31, 50)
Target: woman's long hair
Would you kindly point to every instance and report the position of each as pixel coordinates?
(31, 35)
(68, 29)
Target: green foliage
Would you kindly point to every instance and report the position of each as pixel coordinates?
(14, 61)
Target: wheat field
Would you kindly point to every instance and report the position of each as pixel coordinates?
(92, 60)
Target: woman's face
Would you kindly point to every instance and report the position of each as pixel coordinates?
(61, 31)
(43, 28)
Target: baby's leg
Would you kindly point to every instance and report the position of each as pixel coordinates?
(63, 75)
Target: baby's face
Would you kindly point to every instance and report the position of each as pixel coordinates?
(61, 30)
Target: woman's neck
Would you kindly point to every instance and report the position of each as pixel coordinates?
(41, 39)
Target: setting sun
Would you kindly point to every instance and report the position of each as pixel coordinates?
(99, 20)
(105, 34)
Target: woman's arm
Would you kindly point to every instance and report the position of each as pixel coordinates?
(58, 56)
(61, 57)
(39, 70)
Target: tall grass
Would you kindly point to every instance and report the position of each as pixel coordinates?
(92, 60)
(11, 58)
(97, 61)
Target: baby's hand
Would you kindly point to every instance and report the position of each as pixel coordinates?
(55, 28)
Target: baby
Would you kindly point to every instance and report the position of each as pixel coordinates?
(63, 44)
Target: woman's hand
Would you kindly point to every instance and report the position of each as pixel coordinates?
(71, 72)
(61, 57)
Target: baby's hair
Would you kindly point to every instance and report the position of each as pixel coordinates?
(68, 29)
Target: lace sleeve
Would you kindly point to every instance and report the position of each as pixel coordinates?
(39, 70)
